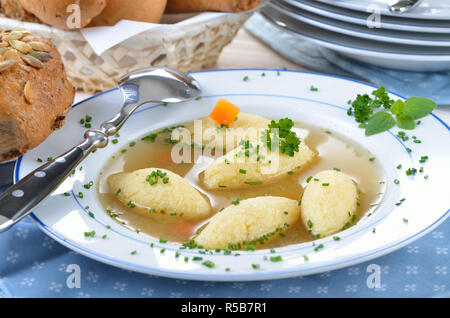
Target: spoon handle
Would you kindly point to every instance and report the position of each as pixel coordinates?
(17, 201)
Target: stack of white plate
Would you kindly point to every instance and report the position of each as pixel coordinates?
(368, 31)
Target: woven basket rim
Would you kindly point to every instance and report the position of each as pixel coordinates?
(170, 35)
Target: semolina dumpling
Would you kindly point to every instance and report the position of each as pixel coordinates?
(237, 170)
(215, 135)
(329, 202)
(161, 190)
(256, 219)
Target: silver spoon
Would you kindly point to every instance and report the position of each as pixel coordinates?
(148, 85)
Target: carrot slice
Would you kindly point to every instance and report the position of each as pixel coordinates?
(224, 112)
(164, 158)
(183, 229)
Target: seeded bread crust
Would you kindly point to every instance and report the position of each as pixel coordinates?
(35, 93)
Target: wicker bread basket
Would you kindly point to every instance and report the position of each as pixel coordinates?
(187, 48)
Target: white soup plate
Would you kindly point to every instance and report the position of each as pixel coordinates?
(278, 94)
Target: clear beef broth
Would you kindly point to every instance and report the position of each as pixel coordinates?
(332, 151)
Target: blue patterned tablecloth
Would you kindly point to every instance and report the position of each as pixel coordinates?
(34, 265)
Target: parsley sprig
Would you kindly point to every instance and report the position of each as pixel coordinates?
(400, 113)
(280, 135)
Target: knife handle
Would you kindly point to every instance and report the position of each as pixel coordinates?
(18, 200)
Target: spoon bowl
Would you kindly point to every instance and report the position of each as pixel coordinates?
(158, 85)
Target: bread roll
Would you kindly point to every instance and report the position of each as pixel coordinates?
(54, 12)
(182, 6)
(137, 10)
(35, 92)
(14, 10)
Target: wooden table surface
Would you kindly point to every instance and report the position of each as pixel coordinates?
(245, 51)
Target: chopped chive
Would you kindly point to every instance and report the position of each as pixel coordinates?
(253, 182)
(89, 234)
(317, 248)
(208, 264)
(400, 202)
(88, 185)
(276, 258)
